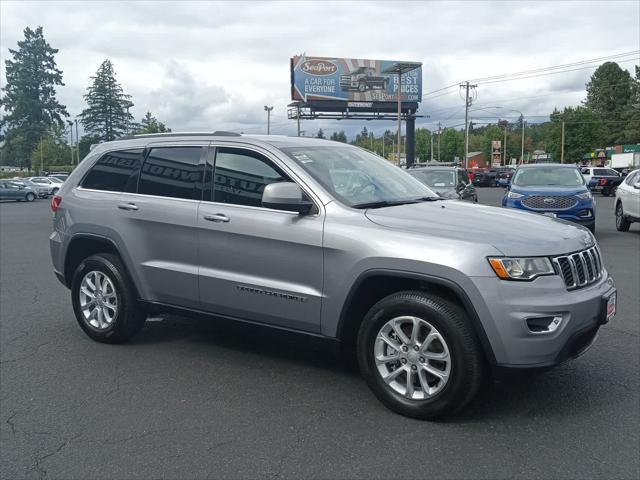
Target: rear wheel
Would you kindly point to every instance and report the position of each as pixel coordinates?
(104, 301)
(419, 355)
(622, 224)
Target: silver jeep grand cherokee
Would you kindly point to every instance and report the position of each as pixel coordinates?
(330, 240)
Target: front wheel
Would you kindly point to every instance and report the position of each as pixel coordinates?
(104, 301)
(622, 224)
(419, 355)
(30, 197)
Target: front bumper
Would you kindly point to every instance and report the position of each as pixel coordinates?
(510, 304)
(583, 213)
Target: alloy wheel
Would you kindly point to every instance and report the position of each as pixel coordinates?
(412, 357)
(98, 300)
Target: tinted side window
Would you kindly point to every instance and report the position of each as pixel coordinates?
(599, 171)
(115, 171)
(172, 172)
(241, 175)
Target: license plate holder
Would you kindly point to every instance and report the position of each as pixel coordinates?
(609, 307)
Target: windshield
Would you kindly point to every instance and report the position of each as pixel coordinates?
(435, 178)
(357, 177)
(551, 175)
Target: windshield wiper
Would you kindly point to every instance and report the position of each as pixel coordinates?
(393, 203)
(430, 199)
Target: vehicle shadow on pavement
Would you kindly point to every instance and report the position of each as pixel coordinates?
(251, 339)
(551, 395)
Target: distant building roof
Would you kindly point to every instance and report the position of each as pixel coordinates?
(473, 154)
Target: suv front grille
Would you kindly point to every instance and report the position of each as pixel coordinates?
(580, 269)
(550, 202)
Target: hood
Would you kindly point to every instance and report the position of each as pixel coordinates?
(549, 190)
(513, 232)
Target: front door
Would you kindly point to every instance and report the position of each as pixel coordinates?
(257, 263)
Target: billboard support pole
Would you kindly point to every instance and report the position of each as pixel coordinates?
(298, 116)
(410, 139)
(399, 114)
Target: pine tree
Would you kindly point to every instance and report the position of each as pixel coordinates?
(29, 101)
(107, 114)
(320, 134)
(150, 124)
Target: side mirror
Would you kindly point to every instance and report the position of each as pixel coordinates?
(285, 196)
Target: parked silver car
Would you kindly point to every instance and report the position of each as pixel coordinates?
(10, 190)
(43, 191)
(329, 240)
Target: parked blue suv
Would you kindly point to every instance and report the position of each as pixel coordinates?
(554, 190)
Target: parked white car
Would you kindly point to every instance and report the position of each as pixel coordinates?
(55, 184)
(628, 201)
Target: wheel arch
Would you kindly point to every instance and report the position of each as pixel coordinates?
(374, 285)
(82, 246)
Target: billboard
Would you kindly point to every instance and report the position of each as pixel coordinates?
(351, 79)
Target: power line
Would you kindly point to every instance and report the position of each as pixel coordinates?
(541, 69)
(548, 73)
(557, 67)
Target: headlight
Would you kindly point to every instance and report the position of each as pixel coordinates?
(521, 268)
(514, 195)
(585, 196)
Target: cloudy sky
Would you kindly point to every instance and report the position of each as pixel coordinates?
(205, 66)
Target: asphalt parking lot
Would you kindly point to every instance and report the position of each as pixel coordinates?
(195, 399)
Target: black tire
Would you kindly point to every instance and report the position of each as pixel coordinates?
(30, 197)
(467, 362)
(622, 224)
(54, 191)
(129, 317)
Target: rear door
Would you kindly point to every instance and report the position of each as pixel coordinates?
(257, 263)
(158, 222)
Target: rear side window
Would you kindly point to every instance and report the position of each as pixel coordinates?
(115, 171)
(241, 175)
(172, 172)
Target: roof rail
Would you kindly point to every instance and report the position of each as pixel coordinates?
(219, 133)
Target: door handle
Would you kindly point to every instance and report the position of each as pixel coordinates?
(217, 217)
(128, 206)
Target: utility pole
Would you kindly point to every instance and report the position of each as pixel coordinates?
(77, 144)
(467, 104)
(268, 110)
(41, 158)
(432, 145)
(71, 139)
(522, 148)
(438, 141)
(562, 144)
(504, 147)
(298, 117)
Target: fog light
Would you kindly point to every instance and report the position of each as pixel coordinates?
(544, 324)
(585, 214)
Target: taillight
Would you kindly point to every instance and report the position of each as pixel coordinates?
(55, 203)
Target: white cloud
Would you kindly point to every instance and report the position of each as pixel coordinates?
(214, 65)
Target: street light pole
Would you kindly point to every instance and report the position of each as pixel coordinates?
(562, 145)
(268, 110)
(399, 93)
